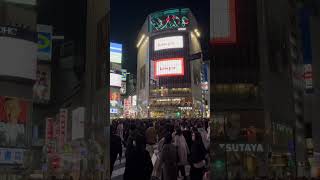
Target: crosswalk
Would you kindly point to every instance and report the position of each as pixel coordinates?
(119, 168)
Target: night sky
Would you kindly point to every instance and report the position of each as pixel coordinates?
(128, 16)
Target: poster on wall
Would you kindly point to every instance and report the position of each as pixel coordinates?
(42, 86)
(44, 42)
(13, 119)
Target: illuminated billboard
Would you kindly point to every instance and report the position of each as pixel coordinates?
(115, 80)
(18, 49)
(169, 19)
(169, 67)
(223, 21)
(124, 74)
(115, 53)
(172, 42)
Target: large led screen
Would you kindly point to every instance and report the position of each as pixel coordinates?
(172, 42)
(18, 49)
(115, 53)
(169, 67)
(115, 80)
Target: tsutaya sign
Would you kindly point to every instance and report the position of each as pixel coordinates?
(242, 147)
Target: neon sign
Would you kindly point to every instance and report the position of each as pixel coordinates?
(169, 19)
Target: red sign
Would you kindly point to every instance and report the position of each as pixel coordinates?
(63, 126)
(13, 110)
(49, 129)
(169, 67)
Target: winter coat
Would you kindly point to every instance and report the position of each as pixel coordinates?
(168, 162)
(138, 165)
(183, 149)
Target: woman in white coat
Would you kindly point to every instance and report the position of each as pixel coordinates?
(183, 151)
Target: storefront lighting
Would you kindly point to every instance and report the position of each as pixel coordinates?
(141, 40)
(182, 29)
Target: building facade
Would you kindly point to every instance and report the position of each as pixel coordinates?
(169, 66)
(256, 88)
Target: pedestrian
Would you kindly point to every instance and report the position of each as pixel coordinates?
(151, 138)
(138, 161)
(169, 159)
(197, 157)
(115, 148)
(183, 151)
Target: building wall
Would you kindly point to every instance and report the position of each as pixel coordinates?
(143, 62)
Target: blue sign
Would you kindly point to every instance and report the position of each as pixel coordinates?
(44, 42)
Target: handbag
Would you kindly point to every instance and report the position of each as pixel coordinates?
(156, 172)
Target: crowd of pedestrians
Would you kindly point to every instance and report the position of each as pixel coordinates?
(162, 149)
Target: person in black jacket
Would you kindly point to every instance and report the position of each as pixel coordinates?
(115, 148)
(197, 157)
(138, 161)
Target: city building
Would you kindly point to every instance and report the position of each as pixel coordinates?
(309, 17)
(169, 66)
(18, 44)
(257, 89)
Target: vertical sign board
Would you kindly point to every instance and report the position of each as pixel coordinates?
(44, 42)
(78, 123)
(223, 21)
(49, 134)
(63, 117)
(307, 49)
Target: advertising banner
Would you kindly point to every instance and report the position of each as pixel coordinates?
(172, 42)
(169, 67)
(115, 80)
(41, 89)
(78, 116)
(13, 118)
(18, 49)
(11, 156)
(223, 21)
(169, 19)
(115, 53)
(63, 117)
(50, 135)
(49, 129)
(123, 74)
(123, 89)
(44, 42)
